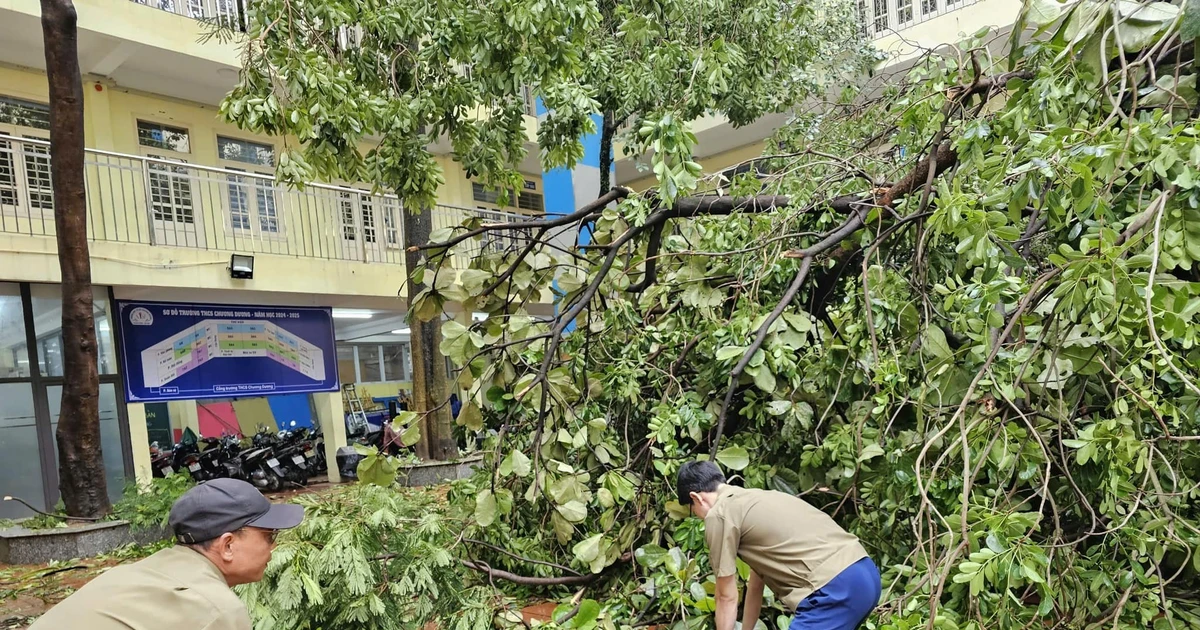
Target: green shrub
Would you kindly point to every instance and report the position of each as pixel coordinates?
(150, 509)
(368, 557)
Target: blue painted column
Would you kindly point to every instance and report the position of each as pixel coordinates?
(567, 190)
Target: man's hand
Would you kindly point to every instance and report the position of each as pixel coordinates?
(727, 602)
(754, 594)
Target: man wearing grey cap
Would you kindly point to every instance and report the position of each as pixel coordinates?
(225, 530)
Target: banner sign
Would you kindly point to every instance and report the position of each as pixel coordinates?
(175, 351)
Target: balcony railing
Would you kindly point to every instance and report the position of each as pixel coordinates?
(881, 18)
(151, 201)
(229, 13)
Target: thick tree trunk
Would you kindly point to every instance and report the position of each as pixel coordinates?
(430, 388)
(80, 462)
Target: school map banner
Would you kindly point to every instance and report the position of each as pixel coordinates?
(176, 351)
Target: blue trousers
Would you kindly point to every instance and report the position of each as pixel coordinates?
(843, 603)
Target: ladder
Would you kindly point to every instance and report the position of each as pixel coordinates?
(356, 421)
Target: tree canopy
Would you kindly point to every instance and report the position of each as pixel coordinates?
(958, 313)
(402, 75)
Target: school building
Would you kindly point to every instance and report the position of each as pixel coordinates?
(184, 209)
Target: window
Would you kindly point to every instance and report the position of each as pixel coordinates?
(268, 214)
(881, 15)
(530, 101)
(47, 317)
(374, 362)
(246, 151)
(396, 363)
(239, 203)
(928, 7)
(37, 176)
(370, 368)
(165, 137)
(348, 203)
(8, 174)
(534, 202)
(904, 12)
(21, 113)
(170, 192)
(368, 219)
(390, 209)
(25, 166)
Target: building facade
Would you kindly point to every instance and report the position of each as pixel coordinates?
(173, 193)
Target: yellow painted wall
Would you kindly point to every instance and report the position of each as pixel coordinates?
(130, 21)
(711, 164)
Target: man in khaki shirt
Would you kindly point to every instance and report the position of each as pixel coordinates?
(816, 568)
(226, 531)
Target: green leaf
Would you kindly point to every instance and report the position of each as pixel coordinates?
(730, 352)
(378, 470)
(1189, 26)
(650, 556)
(934, 342)
(587, 550)
(485, 508)
(870, 451)
(589, 612)
(1043, 12)
(764, 379)
(470, 416)
(573, 511)
(779, 407)
(519, 462)
(411, 435)
(733, 457)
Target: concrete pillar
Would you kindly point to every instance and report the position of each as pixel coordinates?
(139, 441)
(184, 415)
(333, 426)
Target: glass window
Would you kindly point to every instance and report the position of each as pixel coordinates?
(397, 364)
(151, 134)
(110, 435)
(22, 113)
(245, 151)
(47, 320)
(368, 364)
(239, 203)
(19, 450)
(268, 214)
(345, 360)
(14, 355)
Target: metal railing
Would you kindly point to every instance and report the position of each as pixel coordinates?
(229, 13)
(154, 201)
(881, 18)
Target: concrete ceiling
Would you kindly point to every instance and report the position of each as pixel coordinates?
(129, 64)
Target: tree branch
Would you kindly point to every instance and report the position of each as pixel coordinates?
(616, 194)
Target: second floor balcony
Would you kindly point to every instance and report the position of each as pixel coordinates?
(155, 201)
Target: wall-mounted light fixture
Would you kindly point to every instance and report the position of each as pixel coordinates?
(241, 267)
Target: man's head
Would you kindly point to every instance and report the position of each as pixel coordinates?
(697, 486)
(233, 525)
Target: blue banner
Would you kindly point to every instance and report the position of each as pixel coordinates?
(176, 351)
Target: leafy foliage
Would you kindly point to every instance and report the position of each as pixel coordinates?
(149, 507)
(415, 73)
(368, 557)
(960, 315)
(990, 378)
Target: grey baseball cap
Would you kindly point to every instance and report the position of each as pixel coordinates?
(219, 506)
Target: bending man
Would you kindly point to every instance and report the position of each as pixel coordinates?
(816, 568)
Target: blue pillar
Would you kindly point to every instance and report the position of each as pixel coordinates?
(567, 190)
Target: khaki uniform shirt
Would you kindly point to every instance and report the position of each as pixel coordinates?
(794, 547)
(174, 589)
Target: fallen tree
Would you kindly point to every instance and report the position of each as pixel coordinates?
(957, 312)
